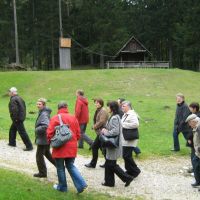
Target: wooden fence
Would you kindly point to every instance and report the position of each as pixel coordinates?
(139, 64)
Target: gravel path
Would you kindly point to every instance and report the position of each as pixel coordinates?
(161, 179)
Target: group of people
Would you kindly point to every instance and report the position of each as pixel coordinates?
(114, 120)
(118, 119)
(187, 122)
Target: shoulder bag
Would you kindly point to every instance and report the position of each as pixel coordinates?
(130, 134)
(62, 134)
(110, 141)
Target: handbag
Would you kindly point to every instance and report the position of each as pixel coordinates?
(109, 141)
(130, 134)
(62, 134)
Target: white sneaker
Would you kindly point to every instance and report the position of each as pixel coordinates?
(55, 186)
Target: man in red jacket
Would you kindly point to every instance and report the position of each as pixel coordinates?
(65, 155)
(82, 115)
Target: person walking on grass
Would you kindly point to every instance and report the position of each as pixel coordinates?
(130, 123)
(43, 147)
(114, 128)
(100, 119)
(182, 112)
(82, 115)
(194, 123)
(17, 109)
(65, 155)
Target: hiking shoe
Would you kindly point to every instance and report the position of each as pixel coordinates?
(89, 165)
(28, 149)
(38, 175)
(129, 181)
(83, 190)
(56, 187)
(195, 184)
(175, 150)
(11, 145)
(102, 166)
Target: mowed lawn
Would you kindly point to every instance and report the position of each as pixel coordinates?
(16, 186)
(151, 91)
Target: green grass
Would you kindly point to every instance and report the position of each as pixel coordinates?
(16, 186)
(152, 92)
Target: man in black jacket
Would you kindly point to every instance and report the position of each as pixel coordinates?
(43, 148)
(182, 112)
(17, 109)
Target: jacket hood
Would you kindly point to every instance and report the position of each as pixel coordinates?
(83, 100)
(46, 109)
(63, 110)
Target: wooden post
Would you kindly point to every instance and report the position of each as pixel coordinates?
(16, 33)
(65, 53)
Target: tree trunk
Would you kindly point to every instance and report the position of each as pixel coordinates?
(91, 59)
(16, 33)
(52, 54)
(102, 57)
(170, 56)
(199, 64)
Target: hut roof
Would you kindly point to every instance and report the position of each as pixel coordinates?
(126, 49)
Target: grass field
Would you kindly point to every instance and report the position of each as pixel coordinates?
(151, 91)
(16, 186)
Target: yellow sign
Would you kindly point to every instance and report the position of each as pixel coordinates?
(65, 42)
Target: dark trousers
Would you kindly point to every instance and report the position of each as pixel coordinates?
(176, 140)
(192, 155)
(95, 148)
(84, 136)
(43, 150)
(19, 127)
(196, 167)
(130, 165)
(111, 168)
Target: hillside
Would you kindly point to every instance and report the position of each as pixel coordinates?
(152, 92)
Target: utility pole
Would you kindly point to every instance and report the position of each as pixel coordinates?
(16, 33)
(64, 45)
(60, 19)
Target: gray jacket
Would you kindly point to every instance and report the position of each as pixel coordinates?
(114, 128)
(41, 125)
(196, 140)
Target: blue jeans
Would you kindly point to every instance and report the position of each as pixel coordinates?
(176, 140)
(77, 179)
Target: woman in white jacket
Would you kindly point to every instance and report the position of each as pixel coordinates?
(130, 123)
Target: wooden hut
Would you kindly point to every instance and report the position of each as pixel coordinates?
(133, 50)
(134, 54)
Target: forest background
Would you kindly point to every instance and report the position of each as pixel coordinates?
(169, 29)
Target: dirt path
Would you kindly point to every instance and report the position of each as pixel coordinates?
(161, 179)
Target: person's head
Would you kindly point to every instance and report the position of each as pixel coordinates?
(126, 106)
(62, 104)
(194, 107)
(12, 91)
(180, 98)
(193, 120)
(41, 103)
(79, 93)
(113, 107)
(98, 102)
(120, 100)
